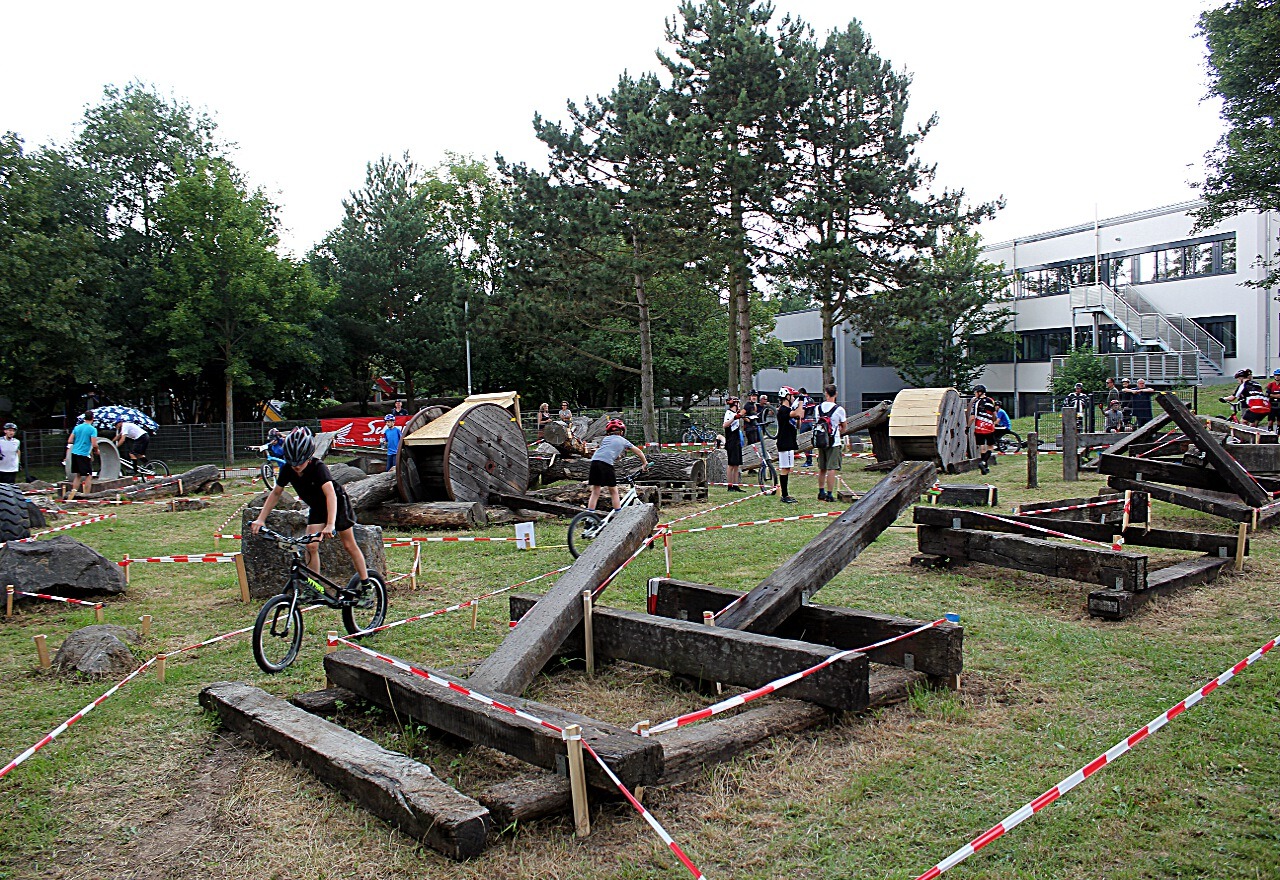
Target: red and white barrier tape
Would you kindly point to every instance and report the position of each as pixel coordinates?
(409, 542)
(1115, 545)
(1026, 811)
(742, 485)
(61, 728)
(122, 502)
(200, 557)
(1175, 439)
(227, 521)
(595, 594)
(710, 509)
(759, 522)
(478, 697)
(50, 598)
(220, 535)
(74, 525)
(777, 684)
(1043, 511)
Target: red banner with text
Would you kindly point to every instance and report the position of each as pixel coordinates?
(365, 431)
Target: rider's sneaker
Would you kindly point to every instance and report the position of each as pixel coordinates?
(787, 499)
(365, 594)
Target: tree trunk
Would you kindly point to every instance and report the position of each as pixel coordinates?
(742, 292)
(429, 515)
(828, 344)
(646, 362)
(733, 333)
(229, 455)
(372, 491)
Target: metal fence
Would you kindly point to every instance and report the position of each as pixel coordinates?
(671, 422)
(172, 443)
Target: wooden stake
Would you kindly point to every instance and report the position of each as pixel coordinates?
(577, 780)
(146, 625)
(126, 568)
(42, 651)
(417, 566)
(709, 619)
(8, 601)
(160, 660)
(643, 729)
(588, 636)
(1128, 501)
(475, 612)
(991, 495)
(243, 575)
(1240, 539)
(666, 549)
(180, 487)
(1033, 465)
(329, 648)
(97, 613)
(1070, 448)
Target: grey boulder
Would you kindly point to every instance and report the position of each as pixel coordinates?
(61, 566)
(267, 565)
(98, 650)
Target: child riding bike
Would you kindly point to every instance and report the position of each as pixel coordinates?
(602, 474)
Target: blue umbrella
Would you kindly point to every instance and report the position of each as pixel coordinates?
(105, 417)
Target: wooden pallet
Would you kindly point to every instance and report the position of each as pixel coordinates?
(677, 491)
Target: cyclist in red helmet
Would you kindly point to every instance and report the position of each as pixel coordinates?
(602, 474)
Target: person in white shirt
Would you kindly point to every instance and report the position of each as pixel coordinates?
(829, 458)
(10, 454)
(138, 439)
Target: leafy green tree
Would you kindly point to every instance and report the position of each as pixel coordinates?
(224, 295)
(941, 330)
(1081, 365)
(56, 339)
(1243, 39)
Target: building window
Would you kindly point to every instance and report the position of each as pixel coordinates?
(869, 357)
(1221, 328)
(1214, 255)
(1041, 345)
(808, 352)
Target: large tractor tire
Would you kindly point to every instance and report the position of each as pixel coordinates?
(15, 522)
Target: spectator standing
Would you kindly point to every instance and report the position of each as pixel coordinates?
(544, 416)
(732, 424)
(790, 412)
(1273, 395)
(10, 454)
(830, 457)
(1141, 407)
(751, 419)
(82, 446)
(1126, 399)
(1079, 402)
(1109, 393)
(392, 434)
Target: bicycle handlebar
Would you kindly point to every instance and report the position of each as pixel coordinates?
(272, 535)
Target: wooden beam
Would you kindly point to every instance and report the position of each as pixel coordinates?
(790, 586)
(714, 654)
(1231, 510)
(636, 761)
(1150, 429)
(1070, 449)
(1033, 466)
(936, 651)
(533, 502)
(1093, 565)
(1169, 539)
(1161, 472)
(1117, 604)
(515, 663)
(525, 797)
(1140, 507)
(1257, 458)
(1236, 477)
(978, 496)
(393, 787)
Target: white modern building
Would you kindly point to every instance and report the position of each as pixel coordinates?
(1171, 305)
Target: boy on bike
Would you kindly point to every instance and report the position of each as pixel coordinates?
(790, 412)
(330, 512)
(602, 474)
(138, 440)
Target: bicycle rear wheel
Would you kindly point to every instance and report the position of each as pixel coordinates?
(156, 467)
(360, 619)
(277, 634)
(583, 529)
(268, 473)
(768, 476)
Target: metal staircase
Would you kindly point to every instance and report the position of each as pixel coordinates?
(1177, 346)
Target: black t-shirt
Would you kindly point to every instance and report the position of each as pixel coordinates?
(749, 426)
(310, 484)
(786, 431)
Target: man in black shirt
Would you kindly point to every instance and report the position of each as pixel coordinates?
(790, 412)
(330, 512)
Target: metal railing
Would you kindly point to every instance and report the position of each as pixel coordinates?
(1147, 325)
(1154, 366)
(172, 443)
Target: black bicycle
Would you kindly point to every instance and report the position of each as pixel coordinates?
(695, 433)
(277, 633)
(767, 419)
(152, 467)
(1010, 441)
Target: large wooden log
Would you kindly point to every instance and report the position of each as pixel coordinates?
(637, 760)
(1117, 604)
(1231, 510)
(1141, 435)
(979, 495)
(372, 491)
(1161, 472)
(429, 515)
(516, 662)
(393, 787)
(1092, 565)
(1236, 477)
(712, 653)
(595, 430)
(779, 595)
(675, 467)
(185, 483)
(936, 652)
(1140, 508)
(533, 502)
(1136, 536)
(558, 435)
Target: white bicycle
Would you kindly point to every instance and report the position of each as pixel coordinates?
(586, 526)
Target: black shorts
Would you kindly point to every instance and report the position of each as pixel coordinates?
(734, 450)
(82, 465)
(602, 474)
(139, 446)
(8, 476)
(346, 518)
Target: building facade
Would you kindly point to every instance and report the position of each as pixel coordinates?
(1159, 301)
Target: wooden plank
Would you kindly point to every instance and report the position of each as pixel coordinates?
(1140, 508)
(1150, 429)
(533, 502)
(1168, 539)
(515, 663)
(1092, 565)
(784, 591)
(525, 797)
(1161, 472)
(865, 419)
(1236, 477)
(1231, 510)
(1117, 604)
(937, 651)
(637, 761)
(393, 787)
(979, 495)
(1257, 458)
(715, 654)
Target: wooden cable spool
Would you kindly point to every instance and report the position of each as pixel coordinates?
(930, 424)
(466, 453)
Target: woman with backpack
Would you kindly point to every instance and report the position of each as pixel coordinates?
(982, 418)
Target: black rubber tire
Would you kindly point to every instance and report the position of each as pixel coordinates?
(35, 516)
(157, 467)
(578, 542)
(273, 616)
(769, 422)
(368, 617)
(15, 519)
(268, 474)
(768, 476)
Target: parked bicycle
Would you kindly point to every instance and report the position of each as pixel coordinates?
(767, 473)
(152, 467)
(587, 525)
(271, 467)
(1010, 441)
(695, 433)
(277, 633)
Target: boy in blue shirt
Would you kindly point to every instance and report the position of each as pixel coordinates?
(82, 445)
(392, 435)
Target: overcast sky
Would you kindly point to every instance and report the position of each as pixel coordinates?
(1058, 107)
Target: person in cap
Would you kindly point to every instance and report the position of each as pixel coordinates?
(1273, 397)
(10, 454)
(1078, 401)
(392, 434)
(790, 413)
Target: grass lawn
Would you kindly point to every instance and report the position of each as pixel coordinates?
(147, 786)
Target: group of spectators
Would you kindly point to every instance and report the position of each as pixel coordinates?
(797, 413)
(544, 417)
(1124, 407)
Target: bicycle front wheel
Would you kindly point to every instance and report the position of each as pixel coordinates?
(268, 474)
(690, 436)
(277, 634)
(157, 468)
(583, 529)
(768, 476)
(769, 423)
(357, 619)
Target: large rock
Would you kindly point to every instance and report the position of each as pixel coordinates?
(62, 566)
(98, 650)
(344, 473)
(267, 565)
